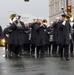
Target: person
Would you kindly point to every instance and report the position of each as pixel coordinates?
(55, 36)
(40, 37)
(7, 42)
(44, 21)
(8, 38)
(49, 30)
(63, 37)
(33, 35)
(26, 44)
(16, 36)
(72, 40)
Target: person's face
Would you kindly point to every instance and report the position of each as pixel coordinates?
(51, 24)
(62, 18)
(57, 20)
(35, 20)
(19, 18)
(27, 24)
(39, 21)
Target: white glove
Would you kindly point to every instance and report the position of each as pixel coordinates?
(15, 18)
(64, 22)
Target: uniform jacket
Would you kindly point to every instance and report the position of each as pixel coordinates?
(40, 35)
(63, 33)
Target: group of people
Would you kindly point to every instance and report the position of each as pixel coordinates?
(55, 39)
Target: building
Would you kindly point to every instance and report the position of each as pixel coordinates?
(55, 8)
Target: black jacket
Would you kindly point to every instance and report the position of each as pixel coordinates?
(33, 33)
(40, 35)
(55, 32)
(16, 34)
(63, 37)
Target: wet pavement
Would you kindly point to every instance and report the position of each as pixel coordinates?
(35, 66)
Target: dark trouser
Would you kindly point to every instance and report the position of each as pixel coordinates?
(32, 48)
(27, 48)
(71, 46)
(65, 49)
(46, 48)
(40, 49)
(54, 50)
(50, 47)
(10, 47)
(6, 46)
(17, 49)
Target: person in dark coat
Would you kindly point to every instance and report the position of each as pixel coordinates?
(72, 40)
(26, 38)
(73, 33)
(8, 45)
(49, 31)
(17, 35)
(63, 37)
(40, 37)
(33, 36)
(55, 36)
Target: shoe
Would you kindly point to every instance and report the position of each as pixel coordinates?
(61, 58)
(53, 55)
(67, 59)
(71, 55)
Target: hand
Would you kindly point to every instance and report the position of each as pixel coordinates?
(64, 22)
(27, 31)
(44, 30)
(41, 25)
(49, 32)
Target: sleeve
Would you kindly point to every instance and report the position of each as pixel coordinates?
(12, 26)
(6, 31)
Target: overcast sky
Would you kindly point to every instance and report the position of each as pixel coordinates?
(38, 8)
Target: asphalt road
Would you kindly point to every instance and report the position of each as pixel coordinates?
(35, 66)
